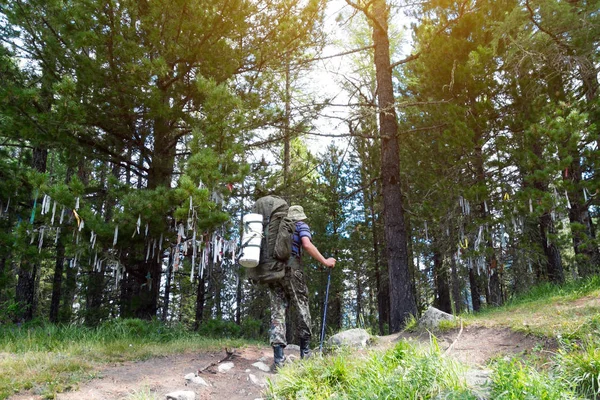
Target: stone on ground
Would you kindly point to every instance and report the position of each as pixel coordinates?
(262, 366)
(193, 378)
(351, 338)
(225, 367)
(257, 381)
(199, 381)
(479, 381)
(181, 395)
(432, 317)
(292, 347)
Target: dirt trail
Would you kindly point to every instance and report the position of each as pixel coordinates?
(156, 377)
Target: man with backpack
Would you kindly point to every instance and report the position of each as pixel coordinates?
(292, 289)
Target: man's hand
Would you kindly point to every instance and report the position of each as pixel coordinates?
(330, 262)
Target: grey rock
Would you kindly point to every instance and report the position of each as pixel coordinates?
(193, 378)
(199, 381)
(432, 317)
(225, 367)
(262, 366)
(292, 347)
(181, 395)
(352, 338)
(479, 381)
(257, 381)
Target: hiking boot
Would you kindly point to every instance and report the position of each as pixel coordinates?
(278, 357)
(305, 348)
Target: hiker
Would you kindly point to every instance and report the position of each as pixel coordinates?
(293, 290)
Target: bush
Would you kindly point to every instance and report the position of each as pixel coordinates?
(403, 372)
(8, 311)
(133, 328)
(250, 329)
(219, 328)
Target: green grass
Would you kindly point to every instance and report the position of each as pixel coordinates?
(516, 379)
(49, 359)
(569, 313)
(403, 372)
(547, 310)
(579, 363)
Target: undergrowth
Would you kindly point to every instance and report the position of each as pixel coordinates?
(403, 372)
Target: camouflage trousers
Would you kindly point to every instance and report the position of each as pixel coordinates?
(289, 291)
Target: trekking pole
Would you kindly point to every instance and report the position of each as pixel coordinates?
(325, 312)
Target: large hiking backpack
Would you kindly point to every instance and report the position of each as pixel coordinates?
(276, 243)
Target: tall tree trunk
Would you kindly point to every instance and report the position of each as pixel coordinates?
(359, 296)
(68, 293)
(57, 281)
(335, 311)
(456, 297)
(218, 291)
(145, 276)
(25, 295)
(493, 284)
(94, 312)
(125, 295)
(582, 231)
(553, 261)
(440, 274)
(402, 301)
(475, 294)
(382, 292)
(200, 300)
(28, 268)
(495, 295)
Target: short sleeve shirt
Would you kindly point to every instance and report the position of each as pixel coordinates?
(302, 230)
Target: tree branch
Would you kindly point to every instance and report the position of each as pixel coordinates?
(408, 59)
(554, 38)
(368, 14)
(345, 53)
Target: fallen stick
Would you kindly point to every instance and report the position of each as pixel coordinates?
(229, 355)
(455, 340)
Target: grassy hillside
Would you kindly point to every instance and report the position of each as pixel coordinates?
(571, 311)
(570, 314)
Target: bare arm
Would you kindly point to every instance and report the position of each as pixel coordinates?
(312, 250)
